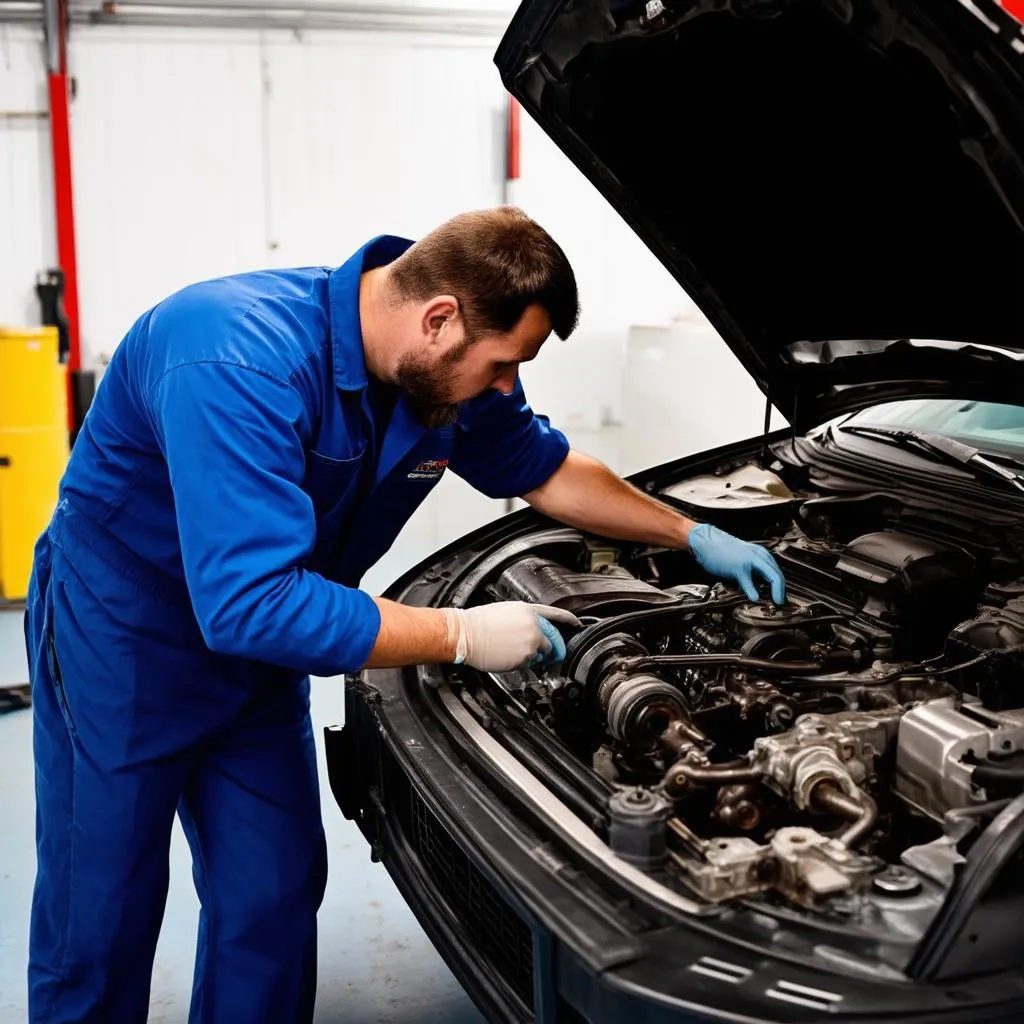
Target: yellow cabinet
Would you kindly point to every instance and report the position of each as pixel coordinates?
(33, 447)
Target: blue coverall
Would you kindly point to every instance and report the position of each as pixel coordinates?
(229, 488)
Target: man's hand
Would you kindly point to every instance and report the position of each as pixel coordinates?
(722, 554)
(508, 635)
(494, 637)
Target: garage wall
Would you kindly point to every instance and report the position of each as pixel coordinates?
(168, 170)
(199, 152)
(27, 241)
(256, 151)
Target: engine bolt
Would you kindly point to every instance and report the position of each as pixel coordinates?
(747, 815)
(896, 882)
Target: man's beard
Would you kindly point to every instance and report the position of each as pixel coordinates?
(428, 389)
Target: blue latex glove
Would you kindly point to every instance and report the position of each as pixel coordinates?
(555, 655)
(723, 555)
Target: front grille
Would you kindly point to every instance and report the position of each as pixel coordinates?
(497, 932)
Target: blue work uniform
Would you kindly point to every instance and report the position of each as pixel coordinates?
(234, 479)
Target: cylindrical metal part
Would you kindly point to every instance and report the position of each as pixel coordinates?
(637, 827)
(52, 25)
(596, 662)
(738, 806)
(814, 766)
(861, 828)
(682, 735)
(862, 811)
(682, 775)
(760, 702)
(640, 708)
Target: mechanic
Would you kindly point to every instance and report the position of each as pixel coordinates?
(255, 445)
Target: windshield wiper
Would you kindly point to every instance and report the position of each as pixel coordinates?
(943, 449)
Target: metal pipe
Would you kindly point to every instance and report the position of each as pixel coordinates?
(297, 15)
(863, 811)
(299, 23)
(691, 841)
(53, 30)
(682, 775)
(464, 23)
(301, 6)
(286, 22)
(711, 660)
(720, 776)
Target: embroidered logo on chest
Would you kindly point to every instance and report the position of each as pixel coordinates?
(428, 469)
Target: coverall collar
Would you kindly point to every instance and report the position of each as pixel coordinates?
(343, 289)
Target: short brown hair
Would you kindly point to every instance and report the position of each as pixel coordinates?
(497, 263)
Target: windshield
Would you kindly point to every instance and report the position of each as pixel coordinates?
(983, 425)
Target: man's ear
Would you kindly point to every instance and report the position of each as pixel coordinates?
(436, 313)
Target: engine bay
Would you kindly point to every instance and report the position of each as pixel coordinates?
(837, 755)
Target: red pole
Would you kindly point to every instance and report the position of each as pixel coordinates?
(60, 137)
(511, 174)
(512, 140)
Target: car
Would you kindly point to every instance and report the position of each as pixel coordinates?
(718, 809)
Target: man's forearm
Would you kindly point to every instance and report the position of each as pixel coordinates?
(585, 494)
(409, 636)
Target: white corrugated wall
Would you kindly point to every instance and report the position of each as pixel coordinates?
(166, 141)
(27, 240)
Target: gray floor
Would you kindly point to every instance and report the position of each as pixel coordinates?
(376, 965)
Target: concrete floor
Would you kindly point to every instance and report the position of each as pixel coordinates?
(376, 965)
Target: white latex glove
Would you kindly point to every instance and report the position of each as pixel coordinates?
(507, 635)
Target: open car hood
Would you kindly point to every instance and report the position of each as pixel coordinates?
(838, 184)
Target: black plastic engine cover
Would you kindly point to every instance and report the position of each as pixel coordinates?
(541, 581)
(905, 566)
(900, 581)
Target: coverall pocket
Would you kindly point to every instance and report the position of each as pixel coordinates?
(332, 485)
(329, 482)
(58, 679)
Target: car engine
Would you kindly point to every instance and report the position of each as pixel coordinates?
(836, 747)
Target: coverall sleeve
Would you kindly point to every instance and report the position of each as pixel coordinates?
(503, 448)
(232, 438)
